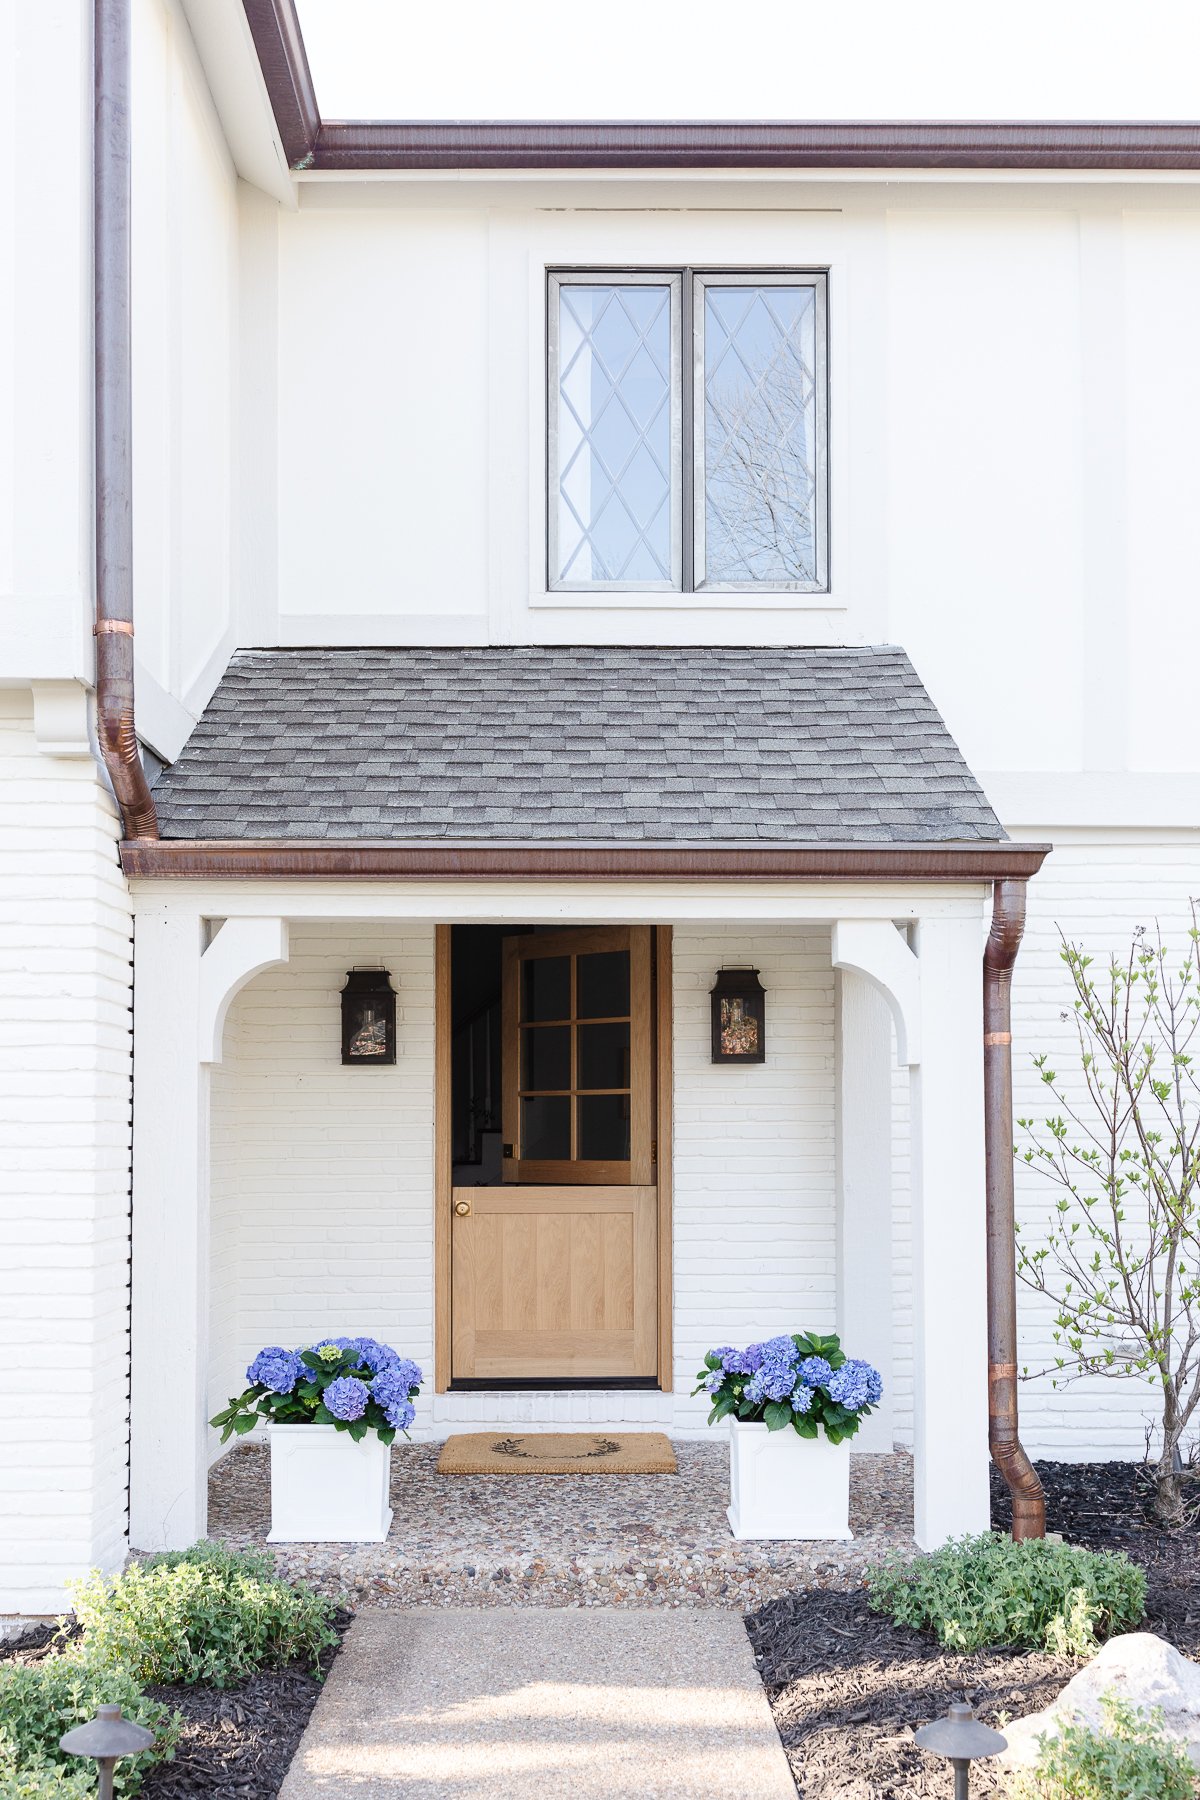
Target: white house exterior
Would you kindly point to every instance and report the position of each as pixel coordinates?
(339, 444)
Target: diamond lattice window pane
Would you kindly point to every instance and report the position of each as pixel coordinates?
(614, 433)
(760, 434)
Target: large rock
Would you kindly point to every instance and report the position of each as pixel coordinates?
(1139, 1668)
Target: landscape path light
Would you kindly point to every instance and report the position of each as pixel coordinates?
(961, 1738)
(108, 1737)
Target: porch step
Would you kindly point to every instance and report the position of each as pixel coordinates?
(600, 1704)
(602, 1409)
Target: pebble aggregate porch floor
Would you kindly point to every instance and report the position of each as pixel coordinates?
(568, 1540)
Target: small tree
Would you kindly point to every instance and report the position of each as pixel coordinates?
(1120, 1259)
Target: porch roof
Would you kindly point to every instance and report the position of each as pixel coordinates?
(580, 745)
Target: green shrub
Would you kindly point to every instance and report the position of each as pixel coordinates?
(988, 1590)
(205, 1615)
(1129, 1757)
(39, 1701)
(36, 1779)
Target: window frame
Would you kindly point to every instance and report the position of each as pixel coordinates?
(688, 526)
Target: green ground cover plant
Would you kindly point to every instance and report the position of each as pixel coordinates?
(1128, 1757)
(36, 1778)
(39, 1701)
(204, 1616)
(1037, 1595)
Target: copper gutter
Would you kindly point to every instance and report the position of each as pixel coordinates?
(349, 144)
(980, 861)
(114, 423)
(1004, 940)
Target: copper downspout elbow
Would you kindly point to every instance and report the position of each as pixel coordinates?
(114, 422)
(1004, 940)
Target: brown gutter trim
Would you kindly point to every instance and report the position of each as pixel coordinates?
(283, 60)
(621, 862)
(1004, 940)
(114, 423)
(706, 144)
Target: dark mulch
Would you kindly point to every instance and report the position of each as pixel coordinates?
(236, 1742)
(848, 1688)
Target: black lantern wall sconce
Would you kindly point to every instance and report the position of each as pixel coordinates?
(368, 1017)
(739, 1017)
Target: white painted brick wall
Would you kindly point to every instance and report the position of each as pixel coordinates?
(322, 1175)
(755, 1198)
(65, 985)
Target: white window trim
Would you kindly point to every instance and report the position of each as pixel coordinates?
(688, 587)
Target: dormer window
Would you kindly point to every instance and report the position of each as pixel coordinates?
(687, 444)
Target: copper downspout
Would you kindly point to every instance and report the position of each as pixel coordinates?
(1004, 940)
(114, 423)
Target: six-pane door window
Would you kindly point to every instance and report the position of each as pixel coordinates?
(687, 431)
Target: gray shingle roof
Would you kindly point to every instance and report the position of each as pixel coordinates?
(574, 744)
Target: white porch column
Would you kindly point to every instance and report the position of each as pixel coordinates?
(181, 995)
(864, 1182)
(949, 1237)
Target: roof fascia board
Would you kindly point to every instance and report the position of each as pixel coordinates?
(246, 106)
(1151, 145)
(279, 42)
(281, 858)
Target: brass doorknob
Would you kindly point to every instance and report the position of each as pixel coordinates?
(462, 1208)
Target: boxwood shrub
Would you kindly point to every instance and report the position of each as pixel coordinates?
(1036, 1595)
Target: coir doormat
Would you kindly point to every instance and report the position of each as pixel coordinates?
(557, 1453)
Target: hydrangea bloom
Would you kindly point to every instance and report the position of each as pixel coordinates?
(346, 1398)
(276, 1368)
(714, 1381)
(330, 1350)
(816, 1371)
(802, 1399)
(390, 1388)
(775, 1376)
(373, 1355)
(855, 1385)
(401, 1415)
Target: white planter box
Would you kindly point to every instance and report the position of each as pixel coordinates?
(785, 1486)
(325, 1488)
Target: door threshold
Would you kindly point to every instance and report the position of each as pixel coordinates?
(545, 1383)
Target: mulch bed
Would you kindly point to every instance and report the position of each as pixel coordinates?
(236, 1742)
(848, 1688)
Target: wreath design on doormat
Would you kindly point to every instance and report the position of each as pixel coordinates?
(513, 1446)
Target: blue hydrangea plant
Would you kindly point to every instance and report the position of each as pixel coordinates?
(805, 1381)
(354, 1384)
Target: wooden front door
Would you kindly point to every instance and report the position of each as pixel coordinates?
(555, 1273)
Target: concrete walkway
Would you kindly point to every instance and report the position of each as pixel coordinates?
(488, 1703)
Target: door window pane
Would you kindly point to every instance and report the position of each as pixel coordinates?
(546, 1056)
(602, 983)
(546, 1129)
(546, 987)
(604, 1127)
(614, 408)
(603, 1056)
(760, 434)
